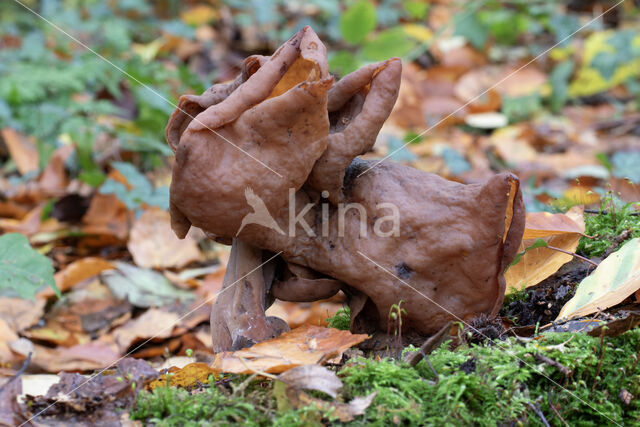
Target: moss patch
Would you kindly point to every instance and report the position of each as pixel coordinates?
(477, 385)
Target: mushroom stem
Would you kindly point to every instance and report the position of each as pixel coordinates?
(238, 317)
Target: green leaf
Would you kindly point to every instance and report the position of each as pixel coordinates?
(142, 287)
(559, 80)
(521, 107)
(625, 165)
(343, 62)
(539, 243)
(468, 26)
(617, 277)
(389, 43)
(416, 9)
(22, 269)
(358, 21)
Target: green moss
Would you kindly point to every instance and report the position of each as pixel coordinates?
(606, 226)
(477, 385)
(341, 320)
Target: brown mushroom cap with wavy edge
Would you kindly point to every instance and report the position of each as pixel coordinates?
(454, 241)
(257, 117)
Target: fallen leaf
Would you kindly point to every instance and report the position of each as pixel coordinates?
(617, 327)
(344, 411)
(22, 269)
(7, 336)
(616, 278)
(10, 411)
(312, 377)
(97, 400)
(83, 357)
(187, 377)
(306, 345)
(561, 231)
(153, 323)
(76, 272)
(20, 313)
(486, 120)
(22, 149)
(153, 244)
(142, 287)
(107, 217)
(38, 384)
(54, 179)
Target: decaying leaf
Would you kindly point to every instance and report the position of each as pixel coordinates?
(10, 411)
(97, 400)
(82, 357)
(615, 279)
(306, 345)
(154, 245)
(22, 149)
(188, 376)
(345, 412)
(20, 313)
(312, 377)
(142, 287)
(562, 231)
(153, 323)
(76, 272)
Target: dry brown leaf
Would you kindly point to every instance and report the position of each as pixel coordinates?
(344, 411)
(303, 346)
(76, 272)
(153, 323)
(107, 216)
(83, 357)
(562, 231)
(22, 149)
(54, 179)
(154, 245)
(21, 314)
(7, 335)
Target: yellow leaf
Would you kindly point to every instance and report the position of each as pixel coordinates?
(562, 231)
(616, 278)
(418, 32)
(199, 15)
(306, 345)
(189, 376)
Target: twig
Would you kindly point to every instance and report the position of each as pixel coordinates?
(542, 358)
(596, 212)
(573, 254)
(538, 413)
(553, 408)
(429, 345)
(617, 241)
(20, 371)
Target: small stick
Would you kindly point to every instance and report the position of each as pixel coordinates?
(573, 254)
(616, 242)
(538, 413)
(542, 358)
(553, 408)
(429, 345)
(596, 212)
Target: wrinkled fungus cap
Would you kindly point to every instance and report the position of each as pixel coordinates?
(284, 125)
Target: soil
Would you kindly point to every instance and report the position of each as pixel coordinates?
(544, 301)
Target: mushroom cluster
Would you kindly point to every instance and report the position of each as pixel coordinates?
(268, 163)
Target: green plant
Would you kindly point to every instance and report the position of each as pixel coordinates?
(605, 228)
(341, 320)
(140, 192)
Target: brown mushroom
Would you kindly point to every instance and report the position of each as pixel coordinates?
(381, 234)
